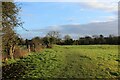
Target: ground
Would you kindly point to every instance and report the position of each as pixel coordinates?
(83, 61)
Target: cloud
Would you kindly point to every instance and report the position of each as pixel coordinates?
(54, 28)
(106, 19)
(77, 30)
(104, 28)
(111, 18)
(33, 33)
(111, 5)
(71, 19)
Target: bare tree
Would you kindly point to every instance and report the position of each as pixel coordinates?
(53, 37)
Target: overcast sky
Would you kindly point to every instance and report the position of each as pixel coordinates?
(73, 18)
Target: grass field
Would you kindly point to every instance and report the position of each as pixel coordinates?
(84, 61)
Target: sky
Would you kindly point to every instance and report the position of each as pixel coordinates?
(74, 18)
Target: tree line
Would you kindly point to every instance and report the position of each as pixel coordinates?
(53, 37)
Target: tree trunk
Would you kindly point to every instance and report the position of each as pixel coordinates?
(11, 52)
(34, 47)
(29, 48)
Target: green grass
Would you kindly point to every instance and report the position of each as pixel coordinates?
(84, 61)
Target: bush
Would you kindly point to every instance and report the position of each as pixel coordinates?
(38, 48)
(20, 52)
(49, 46)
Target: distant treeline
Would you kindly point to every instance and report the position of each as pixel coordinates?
(87, 40)
(53, 37)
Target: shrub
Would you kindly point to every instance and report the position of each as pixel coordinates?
(20, 52)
